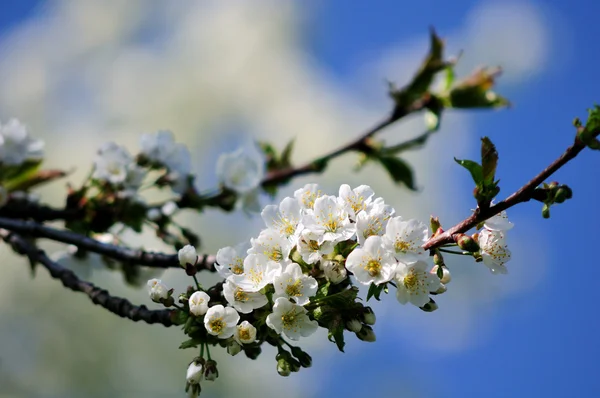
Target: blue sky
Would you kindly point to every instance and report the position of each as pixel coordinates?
(543, 342)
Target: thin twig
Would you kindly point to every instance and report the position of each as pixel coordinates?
(524, 194)
(120, 253)
(117, 305)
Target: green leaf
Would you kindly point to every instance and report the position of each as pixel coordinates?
(336, 334)
(449, 77)
(191, 343)
(489, 160)
(323, 290)
(375, 291)
(285, 160)
(429, 68)
(474, 168)
(440, 272)
(399, 170)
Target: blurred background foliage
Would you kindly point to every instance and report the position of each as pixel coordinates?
(221, 73)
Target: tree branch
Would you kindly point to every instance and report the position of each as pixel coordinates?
(123, 254)
(117, 305)
(524, 194)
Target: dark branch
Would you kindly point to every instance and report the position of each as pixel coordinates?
(524, 194)
(117, 305)
(120, 253)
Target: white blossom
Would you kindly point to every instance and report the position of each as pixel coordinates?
(334, 271)
(194, 372)
(312, 247)
(372, 263)
(241, 170)
(405, 238)
(373, 221)
(285, 218)
(494, 250)
(307, 195)
(198, 303)
(157, 290)
(221, 321)
(259, 271)
(330, 220)
(112, 163)
(243, 301)
(230, 260)
(161, 148)
(499, 222)
(356, 200)
(414, 283)
(273, 245)
(169, 208)
(293, 284)
(291, 320)
(16, 146)
(245, 333)
(187, 255)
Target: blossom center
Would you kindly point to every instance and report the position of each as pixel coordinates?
(294, 289)
(244, 334)
(274, 254)
(256, 276)
(402, 246)
(217, 325)
(411, 281)
(289, 319)
(240, 295)
(313, 245)
(373, 267)
(238, 266)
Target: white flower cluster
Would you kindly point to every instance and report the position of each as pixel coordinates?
(16, 146)
(314, 227)
(115, 165)
(492, 241)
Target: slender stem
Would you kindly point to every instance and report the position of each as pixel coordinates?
(208, 351)
(127, 255)
(117, 305)
(524, 194)
(455, 252)
(197, 283)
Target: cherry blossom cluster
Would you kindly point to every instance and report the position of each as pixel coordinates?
(310, 241)
(115, 166)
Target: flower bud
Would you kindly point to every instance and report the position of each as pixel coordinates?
(283, 367)
(430, 306)
(334, 271)
(563, 193)
(446, 277)
(187, 255)
(366, 334)
(210, 370)
(252, 352)
(354, 325)
(466, 242)
(369, 316)
(546, 211)
(157, 290)
(438, 259)
(195, 371)
(441, 290)
(233, 347)
(304, 359)
(198, 303)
